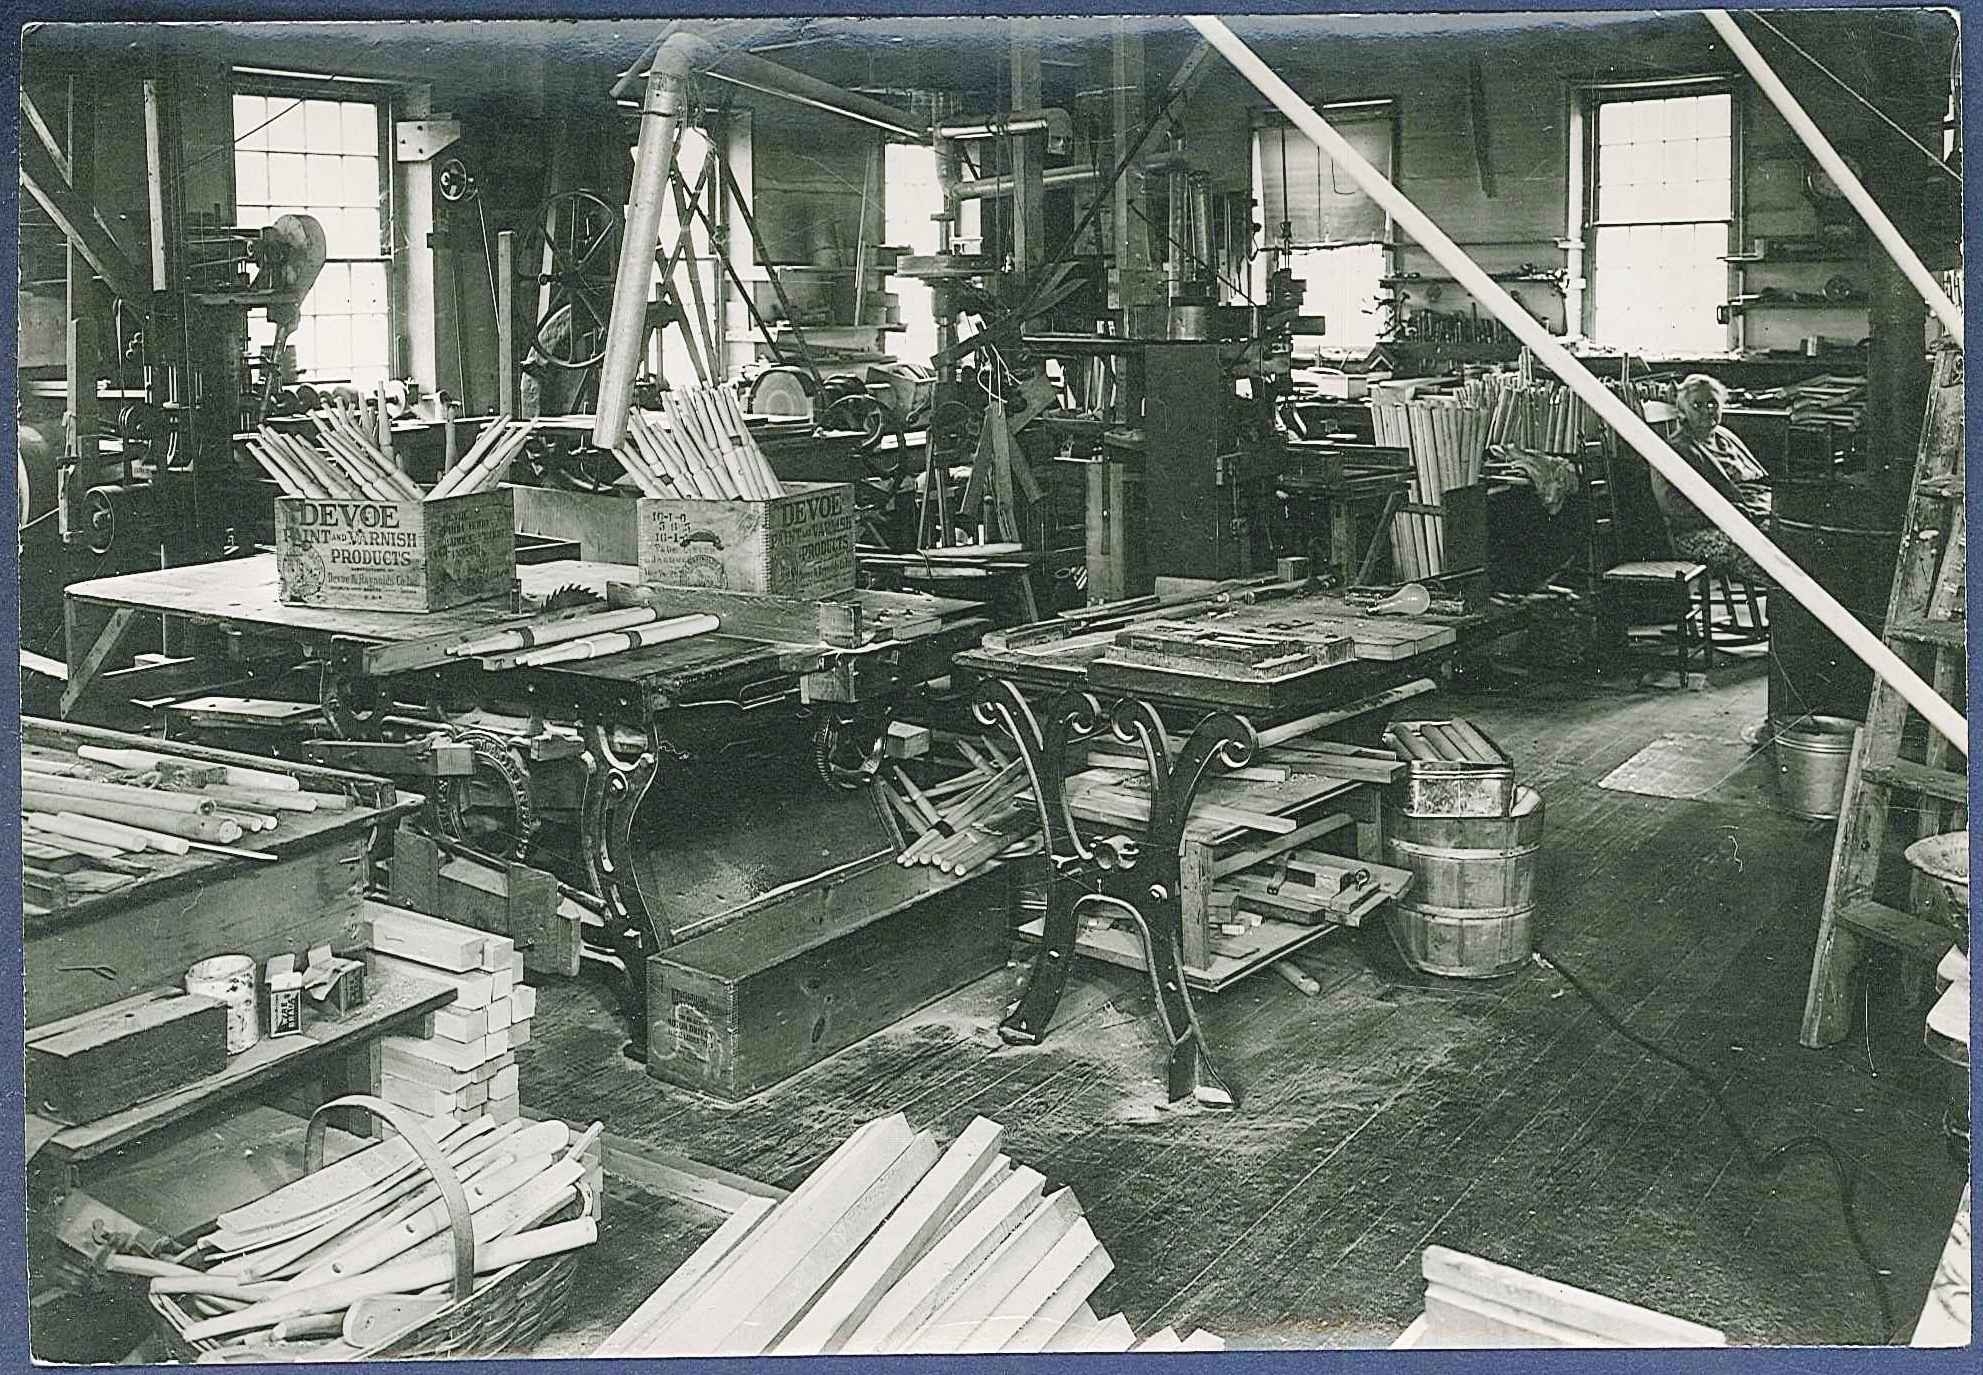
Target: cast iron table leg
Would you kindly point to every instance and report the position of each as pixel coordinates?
(1120, 874)
(614, 789)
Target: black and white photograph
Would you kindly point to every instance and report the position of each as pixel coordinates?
(841, 684)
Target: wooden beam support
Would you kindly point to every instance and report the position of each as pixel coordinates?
(77, 219)
(108, 641)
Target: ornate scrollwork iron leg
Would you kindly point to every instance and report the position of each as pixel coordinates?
(1137, 879)
(614, 790)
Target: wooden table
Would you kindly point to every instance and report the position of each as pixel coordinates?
(822, 673)
(1053, 686)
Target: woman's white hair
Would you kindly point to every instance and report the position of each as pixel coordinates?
(1696, 382)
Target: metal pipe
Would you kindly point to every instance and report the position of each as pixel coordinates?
(1939, 714)
(1842, 176)
(660, 131)
(1057, 125)
(770, 78)
(1053, 179)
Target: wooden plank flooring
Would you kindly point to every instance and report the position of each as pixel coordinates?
(1396, 1110)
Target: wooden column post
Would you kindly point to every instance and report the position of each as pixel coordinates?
(1029, 248)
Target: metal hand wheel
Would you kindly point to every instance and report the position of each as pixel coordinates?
(573, 254)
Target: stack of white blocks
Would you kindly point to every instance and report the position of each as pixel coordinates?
(465, 1066)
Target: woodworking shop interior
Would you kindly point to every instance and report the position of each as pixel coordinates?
(848, 685)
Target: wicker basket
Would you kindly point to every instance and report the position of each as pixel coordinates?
(503, 1316)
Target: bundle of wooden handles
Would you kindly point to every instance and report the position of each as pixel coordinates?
(486, 460)
(704, 452)
(345, 465)
(1447, 439)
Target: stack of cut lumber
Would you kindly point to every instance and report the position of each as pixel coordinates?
(93, 819)
(968, 819)
(325, 1268)
(464, 1068)
(893, 1245)
(1447, 439)
(705, 451)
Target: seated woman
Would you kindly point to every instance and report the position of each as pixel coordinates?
(1725, 461)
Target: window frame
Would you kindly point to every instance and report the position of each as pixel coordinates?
(266, 82)
(1587, 100)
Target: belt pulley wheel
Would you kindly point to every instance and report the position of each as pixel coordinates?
(492, 809)
(573, 254)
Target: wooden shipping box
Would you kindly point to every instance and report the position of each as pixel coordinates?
(394, 555)
(103, 1061)
(799, 545)
(790, 983)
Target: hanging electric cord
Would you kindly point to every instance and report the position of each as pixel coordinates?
(1843, 85)
(1762, 1164)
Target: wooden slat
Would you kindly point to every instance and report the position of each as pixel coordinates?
(628, 1338)
(985, 1292)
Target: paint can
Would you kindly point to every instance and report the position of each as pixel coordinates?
(230, 979)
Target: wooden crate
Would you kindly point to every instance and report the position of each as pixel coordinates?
(790, 983)
(800, 545)
(103, 1061)
(394, 555)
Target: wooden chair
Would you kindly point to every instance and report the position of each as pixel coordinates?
(1673, 588)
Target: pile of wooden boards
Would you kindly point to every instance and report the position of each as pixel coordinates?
(1472, 1303)
(894, 1245)
(91, 817)
(1447, 439)
(705, 451)
(341, 1261)
(1213, 649)
(966, 820)
(465, 1067)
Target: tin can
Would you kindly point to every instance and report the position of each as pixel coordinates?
(230, 979)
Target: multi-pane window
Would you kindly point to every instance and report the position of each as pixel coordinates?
(1334, 230)
(1665, 180)
(297, 154)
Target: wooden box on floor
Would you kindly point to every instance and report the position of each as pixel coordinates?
(394, 555)
(797, 545)
(789, 983)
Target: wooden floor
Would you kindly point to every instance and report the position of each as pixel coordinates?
(1394, 1110)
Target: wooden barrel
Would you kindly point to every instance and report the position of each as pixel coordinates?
(1847, 536)
(1467, 915)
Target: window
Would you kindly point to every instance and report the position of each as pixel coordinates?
(911, 196)
(1662, 215)
(1335, 233)
(676, 360)
(300, 154)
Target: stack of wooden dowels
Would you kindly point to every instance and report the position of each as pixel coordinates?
(966, 820)
(345, 463)
(588, 635)
(1447, 440)
(895, 1245)
(487, 459)
(332, 1266)
(85, 812)
(705, 451)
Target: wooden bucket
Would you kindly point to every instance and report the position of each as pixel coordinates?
(1467, 915)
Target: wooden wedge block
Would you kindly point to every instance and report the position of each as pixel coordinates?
(745, 1279)
(824, 1258)
(985, 1292)
(519, 1034)
(425, 940)
(1107, 1334)
(1049, 1292)
(909, 1231)
(523, 999)
(503, 1084)
(505, 1109)
(498, 952)
(948, 1265)
(427, 1100)
(498, 1040)
(500, 1013)
(494, 1066)
(1161, 1340)
(461, 1024)
(1201, 1340)
(471, 989)
(462, 1056)
(629, 1337)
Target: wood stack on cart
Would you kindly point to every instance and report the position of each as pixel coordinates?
(895, 1245)
(1447, 438)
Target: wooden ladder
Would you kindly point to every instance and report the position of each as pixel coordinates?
(1895, 752)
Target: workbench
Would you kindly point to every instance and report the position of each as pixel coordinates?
(1055, 689)
(589, 738)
